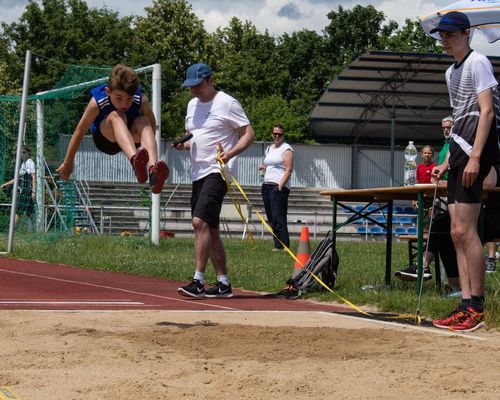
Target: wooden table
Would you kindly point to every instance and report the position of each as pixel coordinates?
(384, 198)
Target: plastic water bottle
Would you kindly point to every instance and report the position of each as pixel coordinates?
(410, 175)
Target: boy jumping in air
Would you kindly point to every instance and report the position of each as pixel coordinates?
(120, 119)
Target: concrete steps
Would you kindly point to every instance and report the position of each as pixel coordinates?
(119, 207)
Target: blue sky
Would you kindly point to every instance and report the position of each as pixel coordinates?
(277, 16)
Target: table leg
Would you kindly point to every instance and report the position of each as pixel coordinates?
(420, 241)
(334, 220)
(388, 245)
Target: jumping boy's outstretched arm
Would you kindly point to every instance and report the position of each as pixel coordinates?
(89, 115)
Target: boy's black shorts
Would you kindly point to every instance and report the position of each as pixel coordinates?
(207, 197)
(457, 193)
(107, 146)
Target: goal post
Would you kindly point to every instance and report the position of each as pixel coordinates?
(51, 114)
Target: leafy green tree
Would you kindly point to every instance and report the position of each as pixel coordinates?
(268, 111)
(62, 32)
(411, 38)
(7, 85)
(245, 61)
(174, 36)
(351, 33)
(302, 55)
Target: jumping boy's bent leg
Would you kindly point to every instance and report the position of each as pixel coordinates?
(139, 162)
(158, 174)
(114, 128)
(158, 171)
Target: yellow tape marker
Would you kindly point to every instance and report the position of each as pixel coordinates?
(238, 208)
(7, 394)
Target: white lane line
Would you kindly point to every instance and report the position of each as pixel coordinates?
(58, 302)
(120, 290)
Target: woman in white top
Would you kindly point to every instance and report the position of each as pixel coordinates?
(278, 166)
(26, 186)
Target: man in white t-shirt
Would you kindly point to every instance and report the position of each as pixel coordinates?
(220, 130)
(474, 149)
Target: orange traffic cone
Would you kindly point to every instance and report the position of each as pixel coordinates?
(304, 249)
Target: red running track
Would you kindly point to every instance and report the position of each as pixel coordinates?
(33, 285)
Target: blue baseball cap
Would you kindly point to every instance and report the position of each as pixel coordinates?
(452, 22)
(196, 73)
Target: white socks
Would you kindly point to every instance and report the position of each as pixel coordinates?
(199, 276)
(223, 279)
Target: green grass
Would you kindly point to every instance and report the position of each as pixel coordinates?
(256, 268)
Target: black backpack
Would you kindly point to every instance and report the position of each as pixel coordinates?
(323, 263)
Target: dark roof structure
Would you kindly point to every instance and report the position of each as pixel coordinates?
(379, 89)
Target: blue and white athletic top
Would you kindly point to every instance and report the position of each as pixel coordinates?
(465, 81)
(106, 107)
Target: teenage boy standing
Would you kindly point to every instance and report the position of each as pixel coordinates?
(474, 149)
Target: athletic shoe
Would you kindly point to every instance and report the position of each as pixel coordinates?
(158, 174)
(219, 290)
(411, 273)
(139, 162)
(456, 316)
(491, 265)
(193, 289)
(473, 320)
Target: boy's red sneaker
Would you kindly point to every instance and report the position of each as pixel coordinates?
(473, 320)
(158, 174)
(456, 316)
(139, 162)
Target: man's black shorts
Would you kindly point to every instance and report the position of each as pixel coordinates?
(457, 193)
(206, 198)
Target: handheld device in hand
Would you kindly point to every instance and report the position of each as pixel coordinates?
(183, 139)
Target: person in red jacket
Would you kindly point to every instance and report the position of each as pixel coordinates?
(424, 169)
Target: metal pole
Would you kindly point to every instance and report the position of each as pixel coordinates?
(393, 134)
(40, 166)
(155, 198)
(20, 136)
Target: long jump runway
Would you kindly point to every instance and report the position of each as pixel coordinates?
(32, 285)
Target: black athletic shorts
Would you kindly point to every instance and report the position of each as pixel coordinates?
(457, 193)
(107, 146)
(206, 198)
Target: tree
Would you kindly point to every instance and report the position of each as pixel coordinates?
(62, 32)
(351, 33)
(265, 112)
(245, 61)
(411, 38)
(173, 35)
(7, 84)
